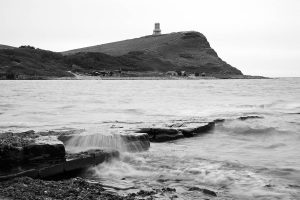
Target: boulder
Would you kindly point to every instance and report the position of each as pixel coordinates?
(73, 162)
(45, 148)
(18, 149)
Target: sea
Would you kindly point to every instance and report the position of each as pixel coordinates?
(256, 158)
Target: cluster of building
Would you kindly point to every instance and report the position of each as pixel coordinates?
(11, 76)
(184, 73)
(106, 73)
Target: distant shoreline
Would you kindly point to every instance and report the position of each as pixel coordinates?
(78, 76)
(139, 78)
(83, 77)
(132, 78)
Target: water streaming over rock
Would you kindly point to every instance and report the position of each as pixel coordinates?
(133, 142)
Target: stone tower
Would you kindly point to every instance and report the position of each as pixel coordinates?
(156, 30)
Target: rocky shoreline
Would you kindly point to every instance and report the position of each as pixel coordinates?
(30, 161)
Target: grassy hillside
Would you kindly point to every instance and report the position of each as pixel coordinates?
(183, 51)
(189, 51)
(30, 63)
(34, 63)
(5, 47)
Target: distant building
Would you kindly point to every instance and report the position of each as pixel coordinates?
(156, 30)
(172, 73)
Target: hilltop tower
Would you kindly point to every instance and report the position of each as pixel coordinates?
(156, 30)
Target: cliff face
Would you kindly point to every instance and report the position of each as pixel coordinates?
(188, 51)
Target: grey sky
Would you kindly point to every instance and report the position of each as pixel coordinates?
(260, 37)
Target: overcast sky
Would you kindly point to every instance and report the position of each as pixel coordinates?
(259, 37)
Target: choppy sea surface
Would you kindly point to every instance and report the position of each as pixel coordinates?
(257, 158)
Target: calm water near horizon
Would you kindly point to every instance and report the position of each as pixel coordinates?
(251, 159)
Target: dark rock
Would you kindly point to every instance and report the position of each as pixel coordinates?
(197, 129)
(50, 171)
(209, 192)
(249, 117)
(24, 188)
(44, 151)
(205, 191)
(177, 131)
(79, 163)
(161, 134)
(28, 148)
(144, 193)
(294, 186)
(74, 162)
(30, 173)
(195, 189)
(219, 121)
(167, 189)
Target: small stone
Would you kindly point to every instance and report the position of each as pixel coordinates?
(209, 192)
(167, 189)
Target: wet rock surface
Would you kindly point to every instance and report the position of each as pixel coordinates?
(162, 134)
(174, 131)
(39, 156)
(73, 162)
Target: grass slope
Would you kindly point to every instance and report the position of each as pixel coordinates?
(6, 47)
(32, 62)
(183, 51)
(188, 51)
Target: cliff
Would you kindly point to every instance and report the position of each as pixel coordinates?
(188, 51)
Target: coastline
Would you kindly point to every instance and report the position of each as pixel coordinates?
(85, 77)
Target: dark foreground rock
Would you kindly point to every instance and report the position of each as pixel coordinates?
(29, 148)
(33, 155)
(73, 162)
(25, 188)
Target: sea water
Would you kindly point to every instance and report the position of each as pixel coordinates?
(256, 158)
